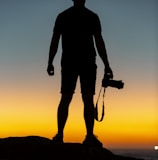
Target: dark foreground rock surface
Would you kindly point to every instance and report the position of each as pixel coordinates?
(35, 148)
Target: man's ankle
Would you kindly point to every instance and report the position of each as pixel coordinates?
(60, 134)
(90, 135)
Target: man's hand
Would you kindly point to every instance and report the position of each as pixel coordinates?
(108, 73)
(50, 70)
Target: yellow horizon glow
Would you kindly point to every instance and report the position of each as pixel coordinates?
(124, 124)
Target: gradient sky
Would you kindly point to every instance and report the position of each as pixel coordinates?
(29, 97)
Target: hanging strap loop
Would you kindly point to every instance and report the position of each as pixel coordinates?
(96, 107)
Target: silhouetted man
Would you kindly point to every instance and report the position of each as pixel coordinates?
(79, 28)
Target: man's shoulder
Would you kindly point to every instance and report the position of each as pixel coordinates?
(90, 11)
(65, 12)
(71, 10)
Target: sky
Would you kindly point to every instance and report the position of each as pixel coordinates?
(29, 97)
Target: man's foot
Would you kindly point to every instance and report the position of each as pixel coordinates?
(57, 139)
(92, 141)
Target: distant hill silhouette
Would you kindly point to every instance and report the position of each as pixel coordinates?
(34, 147)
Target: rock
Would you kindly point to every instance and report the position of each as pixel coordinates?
(34, 147)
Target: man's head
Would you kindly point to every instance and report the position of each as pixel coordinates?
(79, 3)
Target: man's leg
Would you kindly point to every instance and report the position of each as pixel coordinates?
(68, 83)
(88, 113)
(63, 111)
(88, 81)
(89, 121)
(62, 116)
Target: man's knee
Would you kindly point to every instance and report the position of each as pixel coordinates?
(87, 99)
(66, 98)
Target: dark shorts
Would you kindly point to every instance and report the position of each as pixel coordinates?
(87, 77)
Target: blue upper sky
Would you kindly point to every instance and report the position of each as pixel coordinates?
(129, 29)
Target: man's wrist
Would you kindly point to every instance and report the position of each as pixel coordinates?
(50, 64)
(107, 66)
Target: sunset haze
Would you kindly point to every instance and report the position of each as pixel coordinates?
(29, 97)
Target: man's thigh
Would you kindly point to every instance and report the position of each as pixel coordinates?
(88, 79)
(68, 80)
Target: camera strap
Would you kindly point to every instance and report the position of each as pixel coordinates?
(96, 107)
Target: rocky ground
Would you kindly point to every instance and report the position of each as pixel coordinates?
(34, 148)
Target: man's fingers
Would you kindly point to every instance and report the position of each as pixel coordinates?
(50, 70)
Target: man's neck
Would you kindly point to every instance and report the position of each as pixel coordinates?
(78, 7)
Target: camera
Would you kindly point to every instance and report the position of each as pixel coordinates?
(112, 83)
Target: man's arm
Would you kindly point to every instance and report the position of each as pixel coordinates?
(103, 53)
(52, 52)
